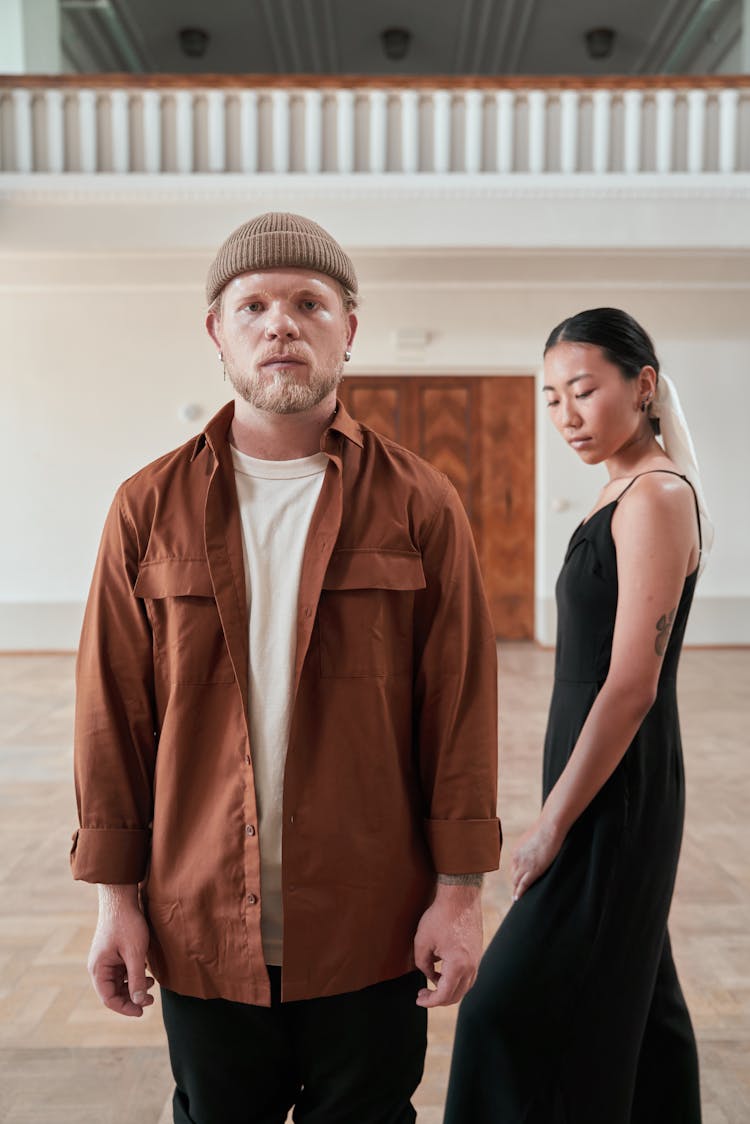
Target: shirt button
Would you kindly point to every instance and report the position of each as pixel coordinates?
(251, 899)
(249, 829)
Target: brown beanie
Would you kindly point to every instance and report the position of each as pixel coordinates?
(275, 240)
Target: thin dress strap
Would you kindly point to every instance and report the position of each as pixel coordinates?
(670, 472)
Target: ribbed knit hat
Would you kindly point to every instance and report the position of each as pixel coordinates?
(274, 240)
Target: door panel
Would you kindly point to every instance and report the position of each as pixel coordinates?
(480, 433)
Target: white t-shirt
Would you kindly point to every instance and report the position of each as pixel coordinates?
(276, 499)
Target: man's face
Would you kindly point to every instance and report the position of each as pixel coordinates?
(283, 334)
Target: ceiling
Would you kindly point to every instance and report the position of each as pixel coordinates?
(447, 36)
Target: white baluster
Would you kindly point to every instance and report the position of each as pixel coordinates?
(151, 131)
(313, 131)
(24, 161)
(633, 102)
(87, 131)
(600, 154)
(441, 131)
(473, 131)
(280, 131)
(409, 131)
(505, 105)
(728, 100)
(537, 101)
(217, 132)
(55, 113)
(696, 103)
(568, 132)
(664, 130)
(184, 144)
(249, 131)
(120, 131)
(345, 131)
(378, 146)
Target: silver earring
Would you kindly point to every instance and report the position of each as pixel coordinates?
(644, 404)
(347, 356)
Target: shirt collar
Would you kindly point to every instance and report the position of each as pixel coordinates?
(216, 431)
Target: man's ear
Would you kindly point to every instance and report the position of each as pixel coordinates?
(353, 322)
(212, 327)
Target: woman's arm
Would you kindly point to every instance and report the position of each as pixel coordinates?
(655, 533)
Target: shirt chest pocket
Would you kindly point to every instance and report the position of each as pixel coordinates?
(189, 643)
(365, 612)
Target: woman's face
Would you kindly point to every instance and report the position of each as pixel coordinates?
(591, 403)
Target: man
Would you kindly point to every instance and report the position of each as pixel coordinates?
(286, 724)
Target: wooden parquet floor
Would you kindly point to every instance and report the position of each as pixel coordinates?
(64, 1059)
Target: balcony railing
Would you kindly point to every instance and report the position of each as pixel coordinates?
(306, 126)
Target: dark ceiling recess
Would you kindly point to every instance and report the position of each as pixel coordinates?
(396, 41)
(600, 42)
(194, 41)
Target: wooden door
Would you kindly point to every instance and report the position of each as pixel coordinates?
(480, 433)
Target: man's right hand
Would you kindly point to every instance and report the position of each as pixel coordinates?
(117, 960)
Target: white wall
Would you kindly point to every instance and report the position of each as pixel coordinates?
(99, 352)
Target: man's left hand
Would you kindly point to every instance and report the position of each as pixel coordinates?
(451, 931)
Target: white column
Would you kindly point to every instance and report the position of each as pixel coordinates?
(183, 107)
(280, 131)
(633, 103)
(378, 142)
(600, 155)
(537, 105)
(217, 135)
(473, 131)
(728, 100)
(249, 131)
(151, 131)
(55, 113)
(87, 130)
(568, 131)
(120, 130)
(505, 105)
(696, 103)
(441, 131)
(345, 131)
(664, 130)
(409, 131)
(30, 37)
(313, 131)
(22, 130)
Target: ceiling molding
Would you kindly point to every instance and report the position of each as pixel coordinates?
(524, 23)
(654, 39)
(503, 32)
(269, 8)
(464, 37)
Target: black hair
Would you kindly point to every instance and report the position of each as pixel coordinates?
(623, 341)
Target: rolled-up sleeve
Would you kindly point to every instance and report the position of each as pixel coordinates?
(115, 740)
(456, 698)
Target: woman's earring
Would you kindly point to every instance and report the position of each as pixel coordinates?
(644, 405)
(347, 356)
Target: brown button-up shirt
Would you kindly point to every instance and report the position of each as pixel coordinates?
(392, 760)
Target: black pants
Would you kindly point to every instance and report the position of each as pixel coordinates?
(347, 1059)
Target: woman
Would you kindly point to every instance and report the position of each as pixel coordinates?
(577, 1015)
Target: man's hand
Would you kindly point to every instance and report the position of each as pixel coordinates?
(117, 960)
(451, 931)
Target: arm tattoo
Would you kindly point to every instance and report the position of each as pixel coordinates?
(460, 879)
(663, 629)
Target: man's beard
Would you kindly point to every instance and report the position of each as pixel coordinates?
(280, 393)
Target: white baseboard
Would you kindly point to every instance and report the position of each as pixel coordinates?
(713, 621)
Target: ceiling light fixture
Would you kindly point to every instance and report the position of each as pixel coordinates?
(600, 42)
(396, 42)
(194, 41)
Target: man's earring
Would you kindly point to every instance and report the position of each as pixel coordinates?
(347, 355)
(221, 360)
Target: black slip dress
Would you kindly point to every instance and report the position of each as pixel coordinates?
(577, 1016)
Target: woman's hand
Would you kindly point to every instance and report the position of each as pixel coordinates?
(535, 853)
